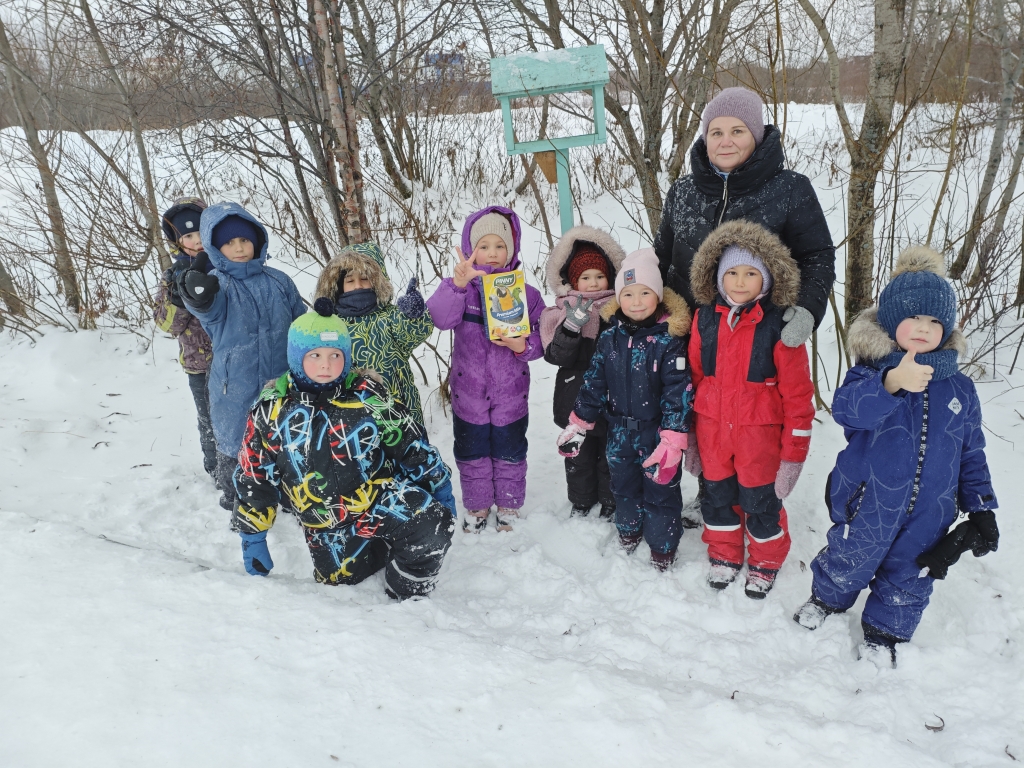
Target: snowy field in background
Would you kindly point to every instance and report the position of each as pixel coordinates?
(131, 635)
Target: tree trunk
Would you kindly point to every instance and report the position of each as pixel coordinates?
(867, 157)
(151, 211)
(62, 256)
(9, 295)
(1011, 71)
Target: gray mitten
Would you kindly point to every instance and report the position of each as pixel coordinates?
(799, 325)
(576, 316)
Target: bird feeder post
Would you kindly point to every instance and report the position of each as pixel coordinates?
(529, 75)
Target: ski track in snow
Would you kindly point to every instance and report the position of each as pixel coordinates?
(132, 635)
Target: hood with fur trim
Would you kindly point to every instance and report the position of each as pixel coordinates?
(760, 242)
(678, 318)
(556, 273)
(366, 260)
(867, 340)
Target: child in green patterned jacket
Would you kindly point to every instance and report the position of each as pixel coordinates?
(384, 334)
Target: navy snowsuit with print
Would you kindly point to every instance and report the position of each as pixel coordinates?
(639, 381)
(884, 513)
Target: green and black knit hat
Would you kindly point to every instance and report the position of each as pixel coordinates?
(320, 328)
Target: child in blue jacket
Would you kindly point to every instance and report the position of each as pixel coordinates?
(915, 459)
(638, 381)
(246, 308)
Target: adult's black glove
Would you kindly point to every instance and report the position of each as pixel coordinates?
(964, 538)
(985, 522)
(197, 287)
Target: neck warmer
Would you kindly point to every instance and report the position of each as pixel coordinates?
(737, 309)
(944, 361)
(305, 384)
(356, 303)
(632, 326)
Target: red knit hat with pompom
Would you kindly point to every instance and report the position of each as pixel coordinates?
(588, 256)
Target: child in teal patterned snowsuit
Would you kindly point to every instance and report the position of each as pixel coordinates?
(384, 335)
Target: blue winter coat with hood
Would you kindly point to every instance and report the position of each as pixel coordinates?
(913, 460)
(248, 323)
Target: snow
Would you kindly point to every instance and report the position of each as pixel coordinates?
(131, 634)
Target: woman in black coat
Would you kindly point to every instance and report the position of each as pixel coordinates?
(738, 172)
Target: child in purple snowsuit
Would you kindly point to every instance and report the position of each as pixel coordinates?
(490, 380)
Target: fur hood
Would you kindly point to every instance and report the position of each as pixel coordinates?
(679, 320)
(867, 340)
(556, 274)
(367, 260)
(760, 242)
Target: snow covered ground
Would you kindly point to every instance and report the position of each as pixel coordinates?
(131, 635)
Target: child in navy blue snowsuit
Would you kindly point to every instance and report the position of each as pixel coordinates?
(915, 458)
(639, 382)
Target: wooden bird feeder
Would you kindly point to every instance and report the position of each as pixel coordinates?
(527, 75)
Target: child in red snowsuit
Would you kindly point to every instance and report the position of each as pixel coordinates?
(753, 408)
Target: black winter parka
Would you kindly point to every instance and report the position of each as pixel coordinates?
(760, 191)
(571, 352)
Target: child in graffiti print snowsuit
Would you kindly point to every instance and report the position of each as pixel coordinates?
(384, 334)
(350, 462)
(246, 308)
(181, 228)
(490, 380)
(915, 456)
(639, 382)
(753, 409)
(581, 273)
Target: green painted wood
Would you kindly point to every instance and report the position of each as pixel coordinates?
(544, 72)
(564, 190)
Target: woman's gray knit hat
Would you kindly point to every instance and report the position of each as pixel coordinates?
(741, 103)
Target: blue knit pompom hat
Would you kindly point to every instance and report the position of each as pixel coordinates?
(320, 328)
(918, 286)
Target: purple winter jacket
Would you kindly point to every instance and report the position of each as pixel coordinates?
(490, 383)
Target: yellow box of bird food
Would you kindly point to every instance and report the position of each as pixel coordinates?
(504, 296)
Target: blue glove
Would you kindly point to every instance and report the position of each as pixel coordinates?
(411, 304)
(444, 495)
(255, 553)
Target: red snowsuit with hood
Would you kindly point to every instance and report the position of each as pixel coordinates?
(753, 407)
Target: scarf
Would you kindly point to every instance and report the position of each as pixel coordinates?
(553, 317)
(356, 303)
(944, 361)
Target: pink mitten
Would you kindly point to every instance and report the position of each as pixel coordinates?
(667, 456)
(571, 438)
(785, 480)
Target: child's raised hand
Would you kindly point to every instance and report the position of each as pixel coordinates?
(465, 269)
(908, 375)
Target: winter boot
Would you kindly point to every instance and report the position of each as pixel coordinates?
(663, 561)
(580, 510)
(475, 520)
(607, 511)
(505, 519)
(878, 647)
(759, 581)
(722, 574)
(813, 613)
(630, 541)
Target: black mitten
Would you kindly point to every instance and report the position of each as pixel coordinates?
(985, 522)
(197, 287)
(937, 560)
(172, 276)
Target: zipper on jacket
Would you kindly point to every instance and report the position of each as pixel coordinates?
(629, 377)
(920, 453)
(725, 199)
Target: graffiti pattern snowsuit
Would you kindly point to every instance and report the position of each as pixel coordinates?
(884, 514)
(639, 382)
(383, 340)
(353, 466)
(490, 385)
(753, 407)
